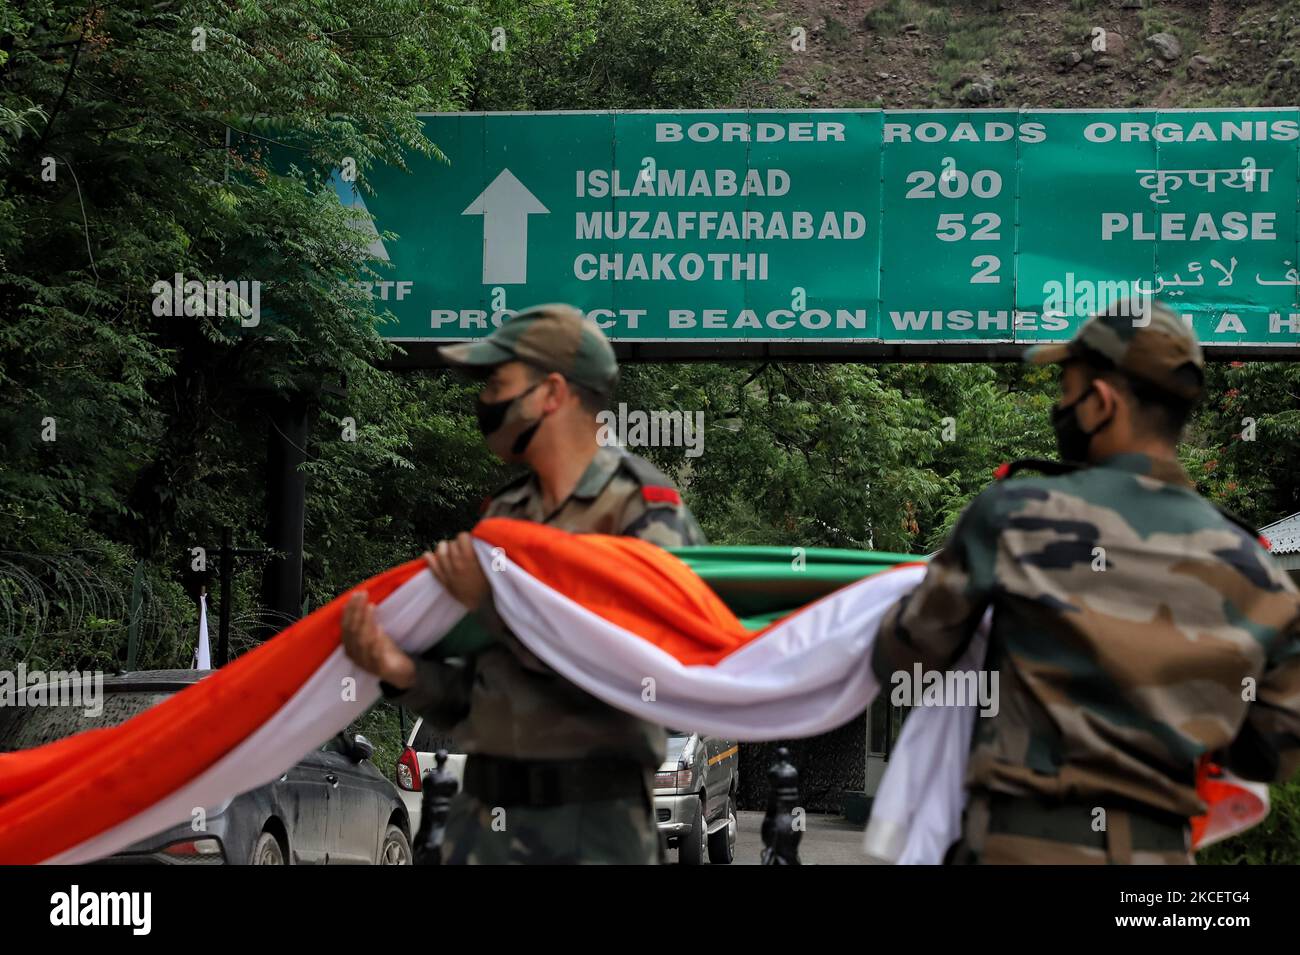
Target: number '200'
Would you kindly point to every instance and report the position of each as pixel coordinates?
(985, 184)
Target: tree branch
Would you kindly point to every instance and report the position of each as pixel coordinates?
(67, 80)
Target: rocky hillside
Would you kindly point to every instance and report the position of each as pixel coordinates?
(1048, 53)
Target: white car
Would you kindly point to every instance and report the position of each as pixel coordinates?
(419, 755)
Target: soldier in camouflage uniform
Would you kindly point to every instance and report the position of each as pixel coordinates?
(554, 775)
(1136, 629)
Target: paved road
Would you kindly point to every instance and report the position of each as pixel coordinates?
(829, 840)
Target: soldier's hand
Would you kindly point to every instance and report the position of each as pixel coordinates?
(370, 648)
(456, 566)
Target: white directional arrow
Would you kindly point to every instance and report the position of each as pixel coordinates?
(505, 206)
(350, 196)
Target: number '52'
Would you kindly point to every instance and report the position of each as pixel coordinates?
(952, 226)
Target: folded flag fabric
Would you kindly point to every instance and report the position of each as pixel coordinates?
(627, 621)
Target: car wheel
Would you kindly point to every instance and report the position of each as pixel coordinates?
(722, 844)
(267, 851)
(693, 846)
(397, 850)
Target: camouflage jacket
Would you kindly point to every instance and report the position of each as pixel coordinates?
(504, 701)
(1134, 630)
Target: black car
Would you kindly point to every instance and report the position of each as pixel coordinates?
(333, 807)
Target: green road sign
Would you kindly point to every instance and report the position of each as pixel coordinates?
(914, 232)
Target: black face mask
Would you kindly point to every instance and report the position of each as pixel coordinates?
(507, 438)
(1071, 440)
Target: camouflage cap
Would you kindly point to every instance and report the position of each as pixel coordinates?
(550, 337)
(1158, 348)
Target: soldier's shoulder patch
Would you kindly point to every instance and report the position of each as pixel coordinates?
(655, 486)
(660, 494)
(1049, 468)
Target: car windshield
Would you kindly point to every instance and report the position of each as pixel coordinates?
(22, 727)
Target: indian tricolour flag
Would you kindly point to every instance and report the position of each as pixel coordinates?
(629, 622)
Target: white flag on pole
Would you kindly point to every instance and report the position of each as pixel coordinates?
(204, 661)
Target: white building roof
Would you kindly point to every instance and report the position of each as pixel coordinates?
(1284, 535)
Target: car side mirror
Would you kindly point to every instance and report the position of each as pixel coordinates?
(362, 749)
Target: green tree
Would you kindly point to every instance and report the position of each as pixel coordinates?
(624, 54)
(846, 455)
(135, 141)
